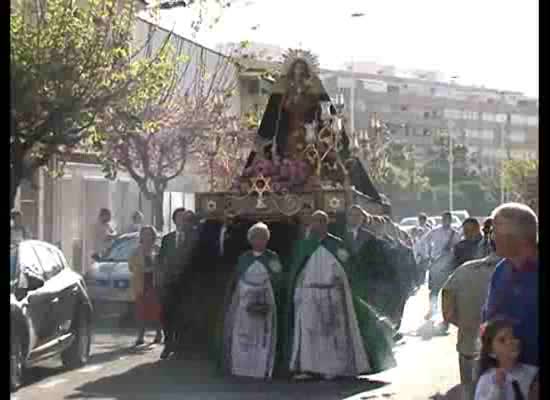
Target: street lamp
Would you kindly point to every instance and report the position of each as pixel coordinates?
(450, 128)
(355, 15)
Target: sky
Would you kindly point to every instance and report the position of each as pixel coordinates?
(491, 43)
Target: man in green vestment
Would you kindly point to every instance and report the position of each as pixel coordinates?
(329, 331)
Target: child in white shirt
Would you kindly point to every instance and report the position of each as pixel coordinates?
(501, 376)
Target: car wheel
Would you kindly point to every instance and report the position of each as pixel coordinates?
(78, 353)
(16, 363)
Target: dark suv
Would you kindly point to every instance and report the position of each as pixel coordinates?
(50, 311)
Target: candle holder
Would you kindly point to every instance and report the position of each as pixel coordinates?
(325, 111)
(311, 134)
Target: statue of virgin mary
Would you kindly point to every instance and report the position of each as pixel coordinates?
(295, 102)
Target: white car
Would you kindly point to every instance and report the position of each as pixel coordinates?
(108, 279)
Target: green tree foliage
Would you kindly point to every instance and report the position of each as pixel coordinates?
(68, 64)
(521, 180)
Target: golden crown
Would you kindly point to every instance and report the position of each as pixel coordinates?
(292, 55)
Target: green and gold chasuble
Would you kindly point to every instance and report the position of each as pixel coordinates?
(249, 308)
(376, 334)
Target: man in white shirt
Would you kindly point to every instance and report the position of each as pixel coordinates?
(104, 232)
(438, 246)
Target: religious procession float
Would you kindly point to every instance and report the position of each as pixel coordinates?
(301, 161)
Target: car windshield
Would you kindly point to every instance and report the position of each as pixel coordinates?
(121, 249)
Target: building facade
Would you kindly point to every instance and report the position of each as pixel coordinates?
(493, 124)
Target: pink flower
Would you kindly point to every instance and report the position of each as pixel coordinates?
(262, 167)
(286, 169)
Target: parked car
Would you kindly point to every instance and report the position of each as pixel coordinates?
(108, 279)
(50, 310)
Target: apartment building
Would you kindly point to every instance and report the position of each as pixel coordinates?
(493, 124)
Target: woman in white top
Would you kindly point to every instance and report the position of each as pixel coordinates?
(502, 377)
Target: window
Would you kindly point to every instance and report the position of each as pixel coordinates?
(518, 119)
(393, 89)
(517, 137)
(426, 114)
(489, 117)
(404, 108)
(502, 118)
(29, 261)
(470, 115)
(451, 113)
(488, 135)
(472, 133)
(253, 86)
(50, 261)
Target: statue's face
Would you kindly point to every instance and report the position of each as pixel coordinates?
(299, 71)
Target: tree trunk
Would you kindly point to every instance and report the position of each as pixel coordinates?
(158, 212)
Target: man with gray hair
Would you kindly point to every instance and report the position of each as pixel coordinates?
(513, 289)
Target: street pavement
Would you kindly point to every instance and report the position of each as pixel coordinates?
(427, 369)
